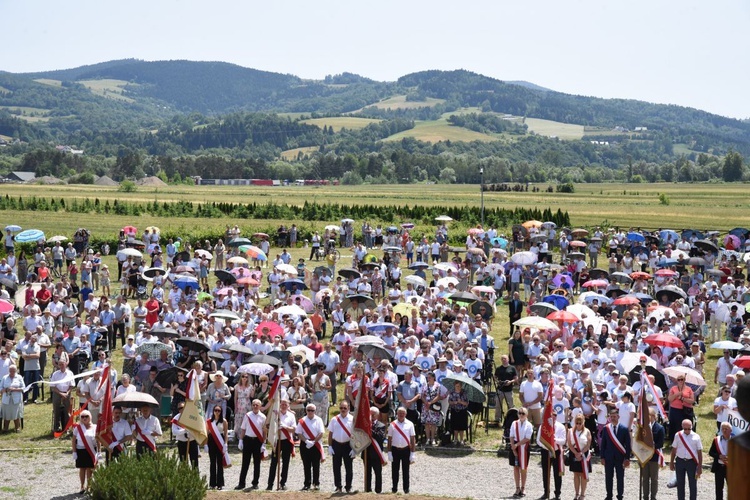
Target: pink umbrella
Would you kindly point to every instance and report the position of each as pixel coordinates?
(269, 328)
(734, 240)
(240, 271)
(665, 272)
(304, 302)
(474, 231)
(248, 280)
(5, 307)
(224, 291)
(130, 230)
(577, 243)
(595, 283)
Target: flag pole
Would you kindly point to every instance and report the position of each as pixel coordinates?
(364, 463)
(548, 471)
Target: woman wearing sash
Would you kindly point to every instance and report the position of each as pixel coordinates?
(217, 448)
(579, 442)
(520, 436)
(84, 448)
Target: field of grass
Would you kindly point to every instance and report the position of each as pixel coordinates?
(551, 128)
(292, 154)
(3, 90)
(111, 89)
(339, 122)
(49, 81)
(400, 102)
(441, 130)
(25, 110)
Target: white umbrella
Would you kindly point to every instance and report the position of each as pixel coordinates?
(445, 281)
(309, 353)
(416, 280)
(660, 313)
(630, 360)
(368, 339)
(595, 321)
(55, 239)
(204, 254)
(724, 310)
(332, 227)
(324, 292)
(292, 310)
(523, 258)
(257, 369)
(692, 377)
(581, 310)
(443, 218)
(130, 252)
(588, 297)
(237, 260)
(537, 322)
(287, 269)
(225, 314)
(344, 221)
(727, 344)
(444, 266)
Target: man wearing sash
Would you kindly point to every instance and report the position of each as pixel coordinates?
(615, 453)
(375, 456)
(719, 451)
(651, 470)
(401, 445)
(251, 438)
(520, 437)
(687, 459)
(287, 424)
(339, 446)
(556, 461)
(310, 430)
(122, 431)
(147, 428)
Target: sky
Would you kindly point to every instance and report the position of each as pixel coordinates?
(692, 53)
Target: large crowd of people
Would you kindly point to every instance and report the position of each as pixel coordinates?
(418, 318)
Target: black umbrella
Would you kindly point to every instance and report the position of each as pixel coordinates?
(349, 273)
(238, 242)
(467, 297)
(242, 349)
(598, 274)
(615, 292)
(9, 284)
(192, 344)
(152, 272)
(374, 351)
(225, 276)
(707, 246)
(364, 301)
(419, 265)
(283, 356)
(166, 378)
(181, 256)
(216, 355)
(320, 270)
(165, 331)
(135, 243)
(659, 380)
(484, 309)
(265, 358)
(696, 261)
(671, 293)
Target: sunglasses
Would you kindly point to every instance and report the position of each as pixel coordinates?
(310, 410)
(85, 416)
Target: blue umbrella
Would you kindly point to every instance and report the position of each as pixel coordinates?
(666, 263)
(636, 250)
(381, 327)
(558, 300)
(689, 233)
(668, 234)
(501, 242)
(644, 298)
(29, 235)
(288, 284)
(636, 237)
(739, 232)
(13, 228)
(183, 282)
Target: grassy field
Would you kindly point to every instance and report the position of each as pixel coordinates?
(441, 130)
(551, 128)
(111, 89)
(339, 122)
(293, 154)
(49, 81)
(400, 102)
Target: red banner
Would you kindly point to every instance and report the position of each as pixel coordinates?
(547, 432)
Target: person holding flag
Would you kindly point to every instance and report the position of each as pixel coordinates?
(553, 453)
(339, 437)
(651, 468)
(615, 453)
(218, 451)
(192, 419)
(112, 431)
(373, 455)
(310, 430)
(147, 429)
(251, 444)
(187, 447)
(122, 431)
(84, 449)
(520, 436)
(579, 443)
(284, 445)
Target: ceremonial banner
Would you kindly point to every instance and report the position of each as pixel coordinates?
(643, 440)
(192, 418)
(547, 432)
(362, 432)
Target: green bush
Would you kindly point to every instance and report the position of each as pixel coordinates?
(160, 476)
(127, 187)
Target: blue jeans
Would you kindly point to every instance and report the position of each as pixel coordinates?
(29, 377)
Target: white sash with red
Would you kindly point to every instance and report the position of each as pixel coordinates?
(219, 440)
(379, 451)
(343, 426)
(660, 457)
(311, 437)
(585, 457)
(146, 439)
(394, 424)
(721, 449)
(521, 448)
(560, 460)
(85, 439)
(690, 451)
(615, 441)
(258, 434)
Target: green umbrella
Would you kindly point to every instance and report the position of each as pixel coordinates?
(203, 296)
(470, 386)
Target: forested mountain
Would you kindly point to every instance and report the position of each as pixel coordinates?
(224, 120)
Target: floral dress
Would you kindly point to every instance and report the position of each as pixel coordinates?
(430, 416)
(243, 403)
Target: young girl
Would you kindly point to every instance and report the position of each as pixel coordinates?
(104, 280)
(73, 271)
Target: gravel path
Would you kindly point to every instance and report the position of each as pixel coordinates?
(478, 475)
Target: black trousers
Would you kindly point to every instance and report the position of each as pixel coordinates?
(373, 467)
(141, 448)
(610, 469)
(111, 337)
(117, 328)
(311, 464)
(685, 468)
(286, 451)
(400, 460)
(185, 451)
(250, 451)
(546, 456)
(720, 477)
(216, 468)
(342, 451)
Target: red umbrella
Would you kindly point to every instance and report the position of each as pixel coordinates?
(664, 340)
(742, 362)
(130, 230)
(577, 243)
(595, 283)
(563, 317)
(5, 307)
(626, 300)
(640, 275)
(260, 235)
(247, 280)
(666, 272)
(270, 329)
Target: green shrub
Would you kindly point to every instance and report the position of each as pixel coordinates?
(160, 476)
(127, 187)
(663, 199)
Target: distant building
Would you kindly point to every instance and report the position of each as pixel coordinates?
(20, 177)
(69, 149)
(641, 129)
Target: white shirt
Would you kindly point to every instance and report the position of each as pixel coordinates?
(693, 440)
(395, 437)
(337, 431)
(148, 426)
(316, 426)
(259, 420)
(521, 430)
(531, 391)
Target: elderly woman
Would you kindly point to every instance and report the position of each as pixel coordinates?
(297, 397)
(432, 395)
(12, 387)
(681, 400)
(84, 449)
(458, 402)
(217, 393)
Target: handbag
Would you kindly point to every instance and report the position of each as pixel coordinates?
(568, 459)
(436, 407)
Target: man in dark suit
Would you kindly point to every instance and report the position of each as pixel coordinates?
(375, 455)
(718, 451)
(515, 309)
(615, 453)
(650, 483)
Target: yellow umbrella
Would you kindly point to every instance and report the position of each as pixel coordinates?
(238, 260)
(153, 229)
(532, 223)
(404, 309)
